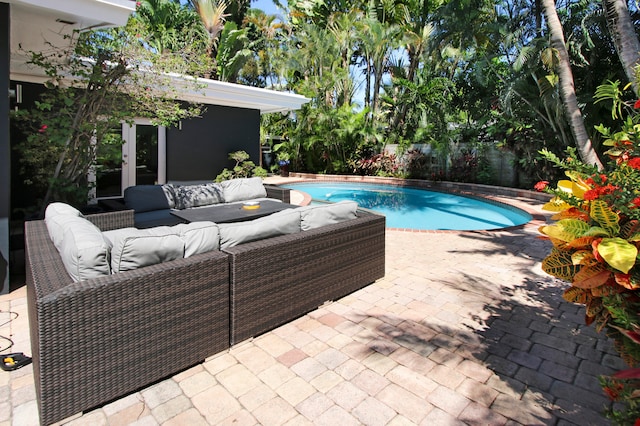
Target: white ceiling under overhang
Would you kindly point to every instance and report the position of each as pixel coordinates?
(38, 24)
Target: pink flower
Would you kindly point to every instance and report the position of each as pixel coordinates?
(43, 128)
(541, 186)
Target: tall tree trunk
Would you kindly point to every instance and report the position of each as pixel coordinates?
(567, 88)
(624, 37)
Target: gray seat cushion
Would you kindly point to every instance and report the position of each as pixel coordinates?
(136, 248)
(242, 189)
(315, 216)
(280, 223)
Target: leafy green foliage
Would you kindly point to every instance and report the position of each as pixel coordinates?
(242, 169)
(104, 81)
(595, 244)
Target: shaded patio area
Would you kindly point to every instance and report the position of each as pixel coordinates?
(465, 328)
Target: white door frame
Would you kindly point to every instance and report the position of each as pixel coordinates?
(129, 152)
(129, 157)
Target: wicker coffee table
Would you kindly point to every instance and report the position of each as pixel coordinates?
(227, 213)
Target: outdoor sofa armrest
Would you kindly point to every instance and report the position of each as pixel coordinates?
(112, 220)
(279, 193)
(99, 339)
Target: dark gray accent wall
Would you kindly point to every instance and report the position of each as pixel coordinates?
(199, 150)
(5, 151)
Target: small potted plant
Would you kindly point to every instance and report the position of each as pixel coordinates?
(283, 163)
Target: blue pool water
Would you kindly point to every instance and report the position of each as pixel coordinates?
(420, 209)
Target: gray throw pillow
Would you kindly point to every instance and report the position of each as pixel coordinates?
(170, 192)
(190, 196)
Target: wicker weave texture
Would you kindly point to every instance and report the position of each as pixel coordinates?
(103, 338)
(100, 339)
(276, 280)
(113, 220)
(282, 194)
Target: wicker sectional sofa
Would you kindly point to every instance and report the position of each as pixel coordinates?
(153, 204)
(99, 339)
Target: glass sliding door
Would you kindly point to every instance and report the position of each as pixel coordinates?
(132, 155)
(108, 167)
(146, 154)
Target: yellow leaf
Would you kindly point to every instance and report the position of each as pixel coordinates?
(582, 257)
(596, 231)
(556, 205)
(618, 253)
(559, 264)
(607, 218)
(566, 229)
(566, 186)
(576, 186)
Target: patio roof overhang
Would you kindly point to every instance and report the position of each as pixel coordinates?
(37, 24)
(213, 92)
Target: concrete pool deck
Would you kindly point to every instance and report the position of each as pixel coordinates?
(464, 328)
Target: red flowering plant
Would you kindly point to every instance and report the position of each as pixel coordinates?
(596, 237)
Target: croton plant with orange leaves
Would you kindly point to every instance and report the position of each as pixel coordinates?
(596, 242)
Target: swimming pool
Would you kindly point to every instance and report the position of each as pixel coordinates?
(420, 209)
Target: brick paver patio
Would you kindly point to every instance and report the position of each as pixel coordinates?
(465, 328)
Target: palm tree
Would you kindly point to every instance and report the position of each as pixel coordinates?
(624, 37)
(567, 88)
(212, 14)
(233, 52)
(267, 30)
(169, 25)
(341, 26)
(377, 41)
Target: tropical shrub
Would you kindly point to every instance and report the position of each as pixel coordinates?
(384, 164)
(242, 169)
(417, 164)
(595, 240)
(97, 87)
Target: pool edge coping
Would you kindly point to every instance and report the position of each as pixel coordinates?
(497, 194)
